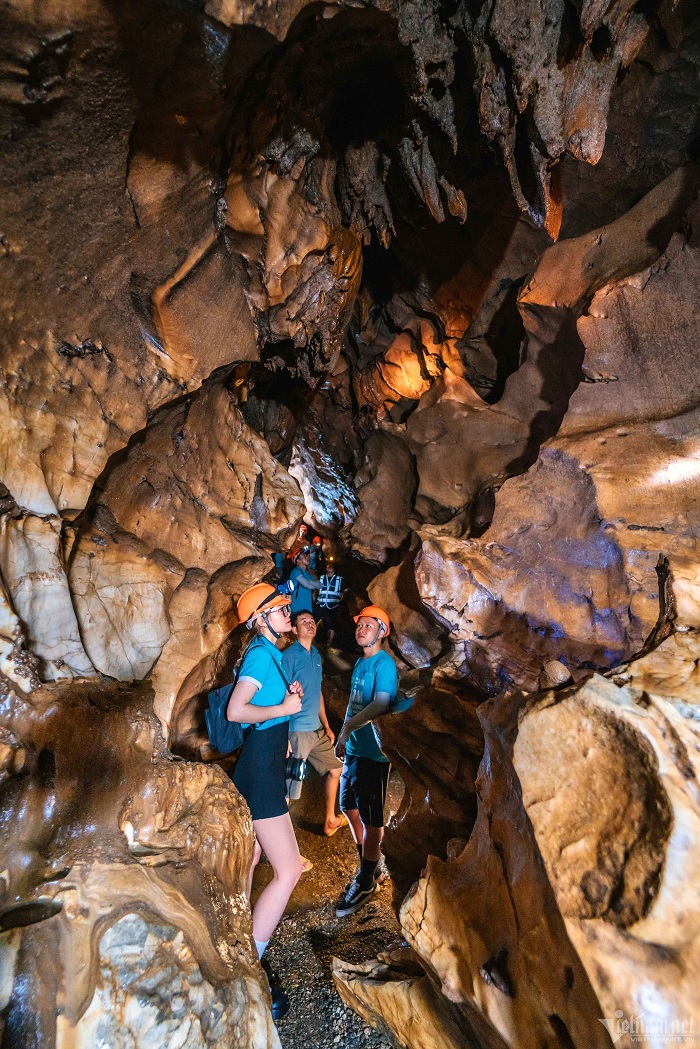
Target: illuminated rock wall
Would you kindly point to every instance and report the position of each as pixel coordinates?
(574, 899)
(266, 263)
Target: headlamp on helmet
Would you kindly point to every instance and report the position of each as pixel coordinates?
(304, 548)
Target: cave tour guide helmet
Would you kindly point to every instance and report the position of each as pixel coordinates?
(258, 601)
(375, 612)
(300, 548)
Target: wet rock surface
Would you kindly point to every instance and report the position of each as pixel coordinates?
(271, 262)
(569, 881)
(116, 856)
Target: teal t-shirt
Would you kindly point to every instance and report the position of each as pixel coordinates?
(303, 666)
(302, 598)
(370, 675)
(258, 667)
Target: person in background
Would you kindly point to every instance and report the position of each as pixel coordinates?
(317, 559)
(263, 698)
(310, 735)
(330, 595)
(365, 775)
(278, 559)
(305, 582)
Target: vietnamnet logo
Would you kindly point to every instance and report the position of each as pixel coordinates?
(651, 1030)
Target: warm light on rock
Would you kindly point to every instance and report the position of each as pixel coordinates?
(425, 277)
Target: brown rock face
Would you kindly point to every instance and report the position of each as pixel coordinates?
(587, 542)
(517, 82)
(568, 886)
(438, 805)
(201, 492)
(270, 262)
(385, 489)
(112, 852)
(415, 635)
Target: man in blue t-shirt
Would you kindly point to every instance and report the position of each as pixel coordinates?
(310, 735)
(365, 773)
(305, 582)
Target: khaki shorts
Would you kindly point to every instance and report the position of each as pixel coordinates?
(316, 748)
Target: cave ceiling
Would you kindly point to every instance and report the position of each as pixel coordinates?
(425, 275)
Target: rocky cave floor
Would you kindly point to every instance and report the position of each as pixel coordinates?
(310, 934)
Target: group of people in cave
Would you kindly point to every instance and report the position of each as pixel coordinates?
(278, 698)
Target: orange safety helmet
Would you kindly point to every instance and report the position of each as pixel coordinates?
(317, 540)
(298, 548)
(375, 612)
(258, 599)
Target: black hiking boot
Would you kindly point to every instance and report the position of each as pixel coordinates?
(280, 998)
(354, 897)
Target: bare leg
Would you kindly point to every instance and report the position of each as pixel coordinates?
(370, 838)
(356, 825)
(372, 845)
(330, 786)
(257, 853)
(276, 837)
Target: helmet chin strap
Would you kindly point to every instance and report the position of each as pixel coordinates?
(380, 631)
(272, 630)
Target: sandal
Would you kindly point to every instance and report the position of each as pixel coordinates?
(343, 823)
(306, 865)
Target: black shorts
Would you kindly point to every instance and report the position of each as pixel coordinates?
(363, 784)
(259, 774)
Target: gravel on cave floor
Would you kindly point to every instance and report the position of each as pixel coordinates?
(310, 935)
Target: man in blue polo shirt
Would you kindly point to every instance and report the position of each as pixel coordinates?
(366, 770)
(310, 735)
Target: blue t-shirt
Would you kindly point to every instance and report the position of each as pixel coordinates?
(302, 599)
(370, 675)
(257, 666)
(303, 666)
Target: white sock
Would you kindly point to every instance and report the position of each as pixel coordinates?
(260, 946)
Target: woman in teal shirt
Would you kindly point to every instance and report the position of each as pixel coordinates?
(263, 699)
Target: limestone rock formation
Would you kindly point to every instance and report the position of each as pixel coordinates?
(571, 508)
(123, 908)
(270, 262)
(438, 805)
(385, 489)
(31, 555)
(619, 887)
(578, 876)
(415, 634)
(330, 501)
(395, 994)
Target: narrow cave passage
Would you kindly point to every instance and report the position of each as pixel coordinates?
(423, 278)
(310, 934)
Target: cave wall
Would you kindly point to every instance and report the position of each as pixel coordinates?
(266, 263)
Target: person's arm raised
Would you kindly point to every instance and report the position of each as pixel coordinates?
(306, 583)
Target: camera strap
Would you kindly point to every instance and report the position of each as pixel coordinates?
(279, 670)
